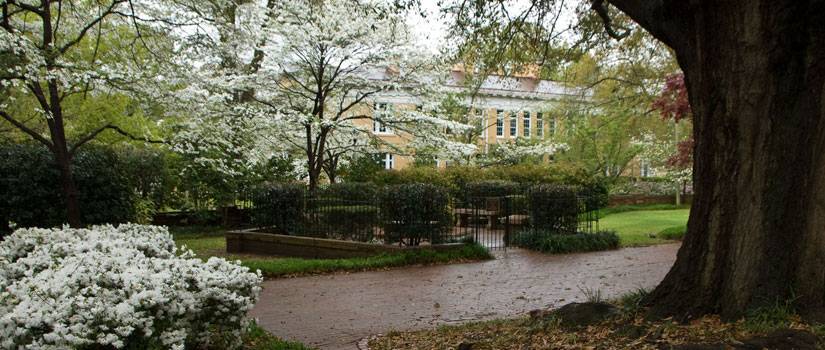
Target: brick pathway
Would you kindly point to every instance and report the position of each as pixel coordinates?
(335, 311)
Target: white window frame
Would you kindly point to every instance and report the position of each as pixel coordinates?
(389, 161)
(525, 127)
(645, 170)
(513, 124)
(377, 126)
(499, 123)
(539, 125)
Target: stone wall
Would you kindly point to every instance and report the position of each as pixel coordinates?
(634, 199)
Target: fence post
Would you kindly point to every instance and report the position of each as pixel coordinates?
(506, 211)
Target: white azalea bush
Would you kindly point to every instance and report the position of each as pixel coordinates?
(115, 287)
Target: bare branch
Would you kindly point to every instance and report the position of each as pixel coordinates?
(118, 130)
(34, 134)
(90, 136)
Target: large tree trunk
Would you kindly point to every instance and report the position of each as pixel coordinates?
(755, 72)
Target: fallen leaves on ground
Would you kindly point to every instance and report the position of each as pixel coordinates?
(525, 333)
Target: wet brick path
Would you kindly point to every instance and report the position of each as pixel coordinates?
(336, 311)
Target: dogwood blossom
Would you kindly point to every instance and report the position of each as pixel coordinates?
(117, 286)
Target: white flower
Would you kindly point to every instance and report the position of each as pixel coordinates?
(64, 288)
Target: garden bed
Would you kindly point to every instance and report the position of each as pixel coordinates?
(255, 241)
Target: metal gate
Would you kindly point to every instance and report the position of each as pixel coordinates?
(497, 222)
(490, 221)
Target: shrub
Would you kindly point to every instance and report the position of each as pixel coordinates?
(363, 168)
(411, 213)
(594, 194)
(646, 186)
(32, 196)
(530, 173)
(280, 206)
(550, 242)
(350, 191)
(350, 222)
(674, 233)
(554, 208)
(491, 188)
(109, 287)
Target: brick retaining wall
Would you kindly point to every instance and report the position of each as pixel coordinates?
(252, 242)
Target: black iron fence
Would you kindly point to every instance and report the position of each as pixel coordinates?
(488, 220)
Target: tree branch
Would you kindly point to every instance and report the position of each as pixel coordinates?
(90, 25)
(650, 15)
(34, 134)
(90, 136)
(120, 131)
(601, 9)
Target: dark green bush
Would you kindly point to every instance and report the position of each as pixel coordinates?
(32, 194)
(549, 242)
(350, 191)
(491, 188)
(594, 194)
(411, 213)
(349, 222)
(363, 168)
(279, 206)
(554, 208)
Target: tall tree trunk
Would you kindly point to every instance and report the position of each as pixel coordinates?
(64, 163)
(755, 72)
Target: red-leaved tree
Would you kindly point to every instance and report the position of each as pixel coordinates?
(673, 104)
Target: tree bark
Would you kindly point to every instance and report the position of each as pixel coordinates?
(755, 71)
(63, 161)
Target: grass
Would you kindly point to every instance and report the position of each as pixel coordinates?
(209, 241)
(636, 207)
(296, 266)
(257, 338)
(673, 233)
(640, 228)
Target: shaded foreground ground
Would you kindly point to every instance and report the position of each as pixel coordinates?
(336, 311)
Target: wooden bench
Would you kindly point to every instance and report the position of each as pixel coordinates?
(464, 215)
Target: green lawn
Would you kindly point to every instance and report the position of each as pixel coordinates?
(636, 227)
(209, 241)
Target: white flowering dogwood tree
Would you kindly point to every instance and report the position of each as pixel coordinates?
(306, 77)
(54, 53)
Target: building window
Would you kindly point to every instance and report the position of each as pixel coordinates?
(525, 130)
(552, 126)
(539, 125)
(389, 161)
(499, 123)
(513, 124)
(377, 126)
(479, 117)
(644, 169)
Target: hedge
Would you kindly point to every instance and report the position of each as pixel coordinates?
(32, 193)
(554, 208)
(280, 206)
(349, 222)
(350, 191)
(412, 213)
(549, 242)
